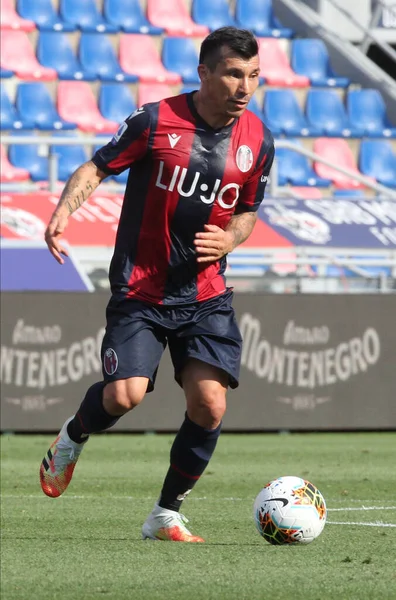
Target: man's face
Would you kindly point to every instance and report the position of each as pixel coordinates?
(231, 85)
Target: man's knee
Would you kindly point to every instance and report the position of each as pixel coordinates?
(205, 388)
(123, 395)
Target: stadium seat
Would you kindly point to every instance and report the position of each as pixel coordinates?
(43, 14)
(153, 92)
(9, 173)
(338, 152)
(212, 14)
(173, 16)
(255, 108)
(70, 157)
(77, 103)
(150, 70)
(11, 20)
(180, 56)
(275, 67)
(258, 16)
(30, 157)
(325, 111)
(311, 58)
(99, 59)
(85, 15)
(348, 194)
(283, 114)
(116, 102)
(128, 16)
(34, 103)
(186, 89)
(306, 193)
(367, 110)
(378, 160)
(17, 55)
(54, 50)
(6, 73)
(9, 116)
(294, 168)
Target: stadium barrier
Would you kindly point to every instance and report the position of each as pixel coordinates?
(310, 362)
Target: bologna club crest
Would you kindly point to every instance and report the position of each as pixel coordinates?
(110, 361)
(244, 158)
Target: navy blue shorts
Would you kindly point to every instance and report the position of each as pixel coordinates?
(137, 334)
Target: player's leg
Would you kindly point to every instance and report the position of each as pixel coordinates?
(205, 388)
(206, 355)
(131, 351)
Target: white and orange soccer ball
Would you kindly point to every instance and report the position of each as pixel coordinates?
(289, 510)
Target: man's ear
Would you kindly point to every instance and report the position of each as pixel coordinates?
(203, 72)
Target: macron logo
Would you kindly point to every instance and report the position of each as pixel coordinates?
(173, 139)
(137, 112)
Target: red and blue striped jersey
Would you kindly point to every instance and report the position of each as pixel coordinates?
(182, 175)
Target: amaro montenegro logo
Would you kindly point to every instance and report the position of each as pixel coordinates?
(305, 360)
(38, 362)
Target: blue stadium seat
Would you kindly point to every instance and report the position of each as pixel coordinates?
(9, 116)
(254, 107)
(283, 114)
(294, 168)
(128, 16)
(186, 89)
(43, 14)
(348, 194)
(70, 157)
(311, 58)
(212, 14)
(31, 157)
(5, 73)
(54, 50)
(116, 102)
(258, 16)
(325, 111)
(378, 160)
(85, 15)
(34, 104)
(367, 110)
(180, 56)
(99, 60)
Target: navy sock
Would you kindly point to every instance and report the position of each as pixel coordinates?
(190, 453)
(91, 417)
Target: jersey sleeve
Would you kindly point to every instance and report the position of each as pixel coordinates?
(252, 192)
(129, 144)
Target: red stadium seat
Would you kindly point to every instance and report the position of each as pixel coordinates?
(275, 66)
(17, 55)
(338, 152)
(173, 16)
(134, 46)
(153, 92)
(307, 193)
(9, 173)
(9, 18)
(77, 103)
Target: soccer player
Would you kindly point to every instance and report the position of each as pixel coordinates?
(199, 164)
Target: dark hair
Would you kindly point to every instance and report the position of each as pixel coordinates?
(240, 41)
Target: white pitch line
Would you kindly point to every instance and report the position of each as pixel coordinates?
(354, 508)
(361, 524)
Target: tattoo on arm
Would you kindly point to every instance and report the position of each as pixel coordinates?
(241, 226)
(80, 186)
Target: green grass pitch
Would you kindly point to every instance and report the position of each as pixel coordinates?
(86, 545)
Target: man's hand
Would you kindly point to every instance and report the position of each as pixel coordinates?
(53, 233)
(213, 243)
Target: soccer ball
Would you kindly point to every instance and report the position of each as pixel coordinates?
(289, 510)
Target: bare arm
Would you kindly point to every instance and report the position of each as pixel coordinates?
(214, 243)
(76, 191)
